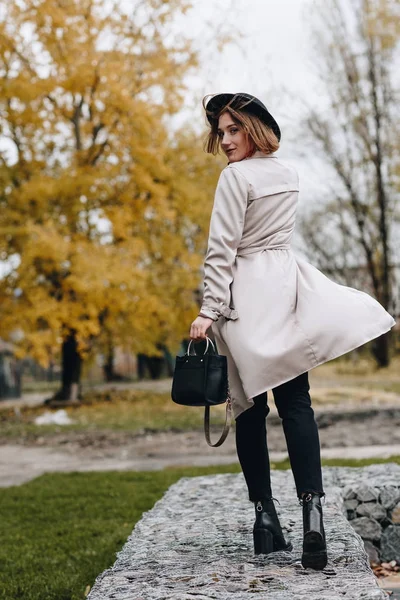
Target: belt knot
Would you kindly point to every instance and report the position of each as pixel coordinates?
(254, 249)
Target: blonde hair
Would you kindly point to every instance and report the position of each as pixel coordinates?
(260, 136)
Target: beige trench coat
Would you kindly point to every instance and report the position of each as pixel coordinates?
(276, 316)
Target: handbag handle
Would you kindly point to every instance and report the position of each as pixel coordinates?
(227, 424)
(205, 351)
(228, 408)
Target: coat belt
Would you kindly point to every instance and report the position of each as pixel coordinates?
(253, 249)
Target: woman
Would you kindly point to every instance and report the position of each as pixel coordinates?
(273, 314)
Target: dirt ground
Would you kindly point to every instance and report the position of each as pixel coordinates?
(356, 433)
(354, 422)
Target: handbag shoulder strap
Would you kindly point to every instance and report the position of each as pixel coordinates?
(227, 424)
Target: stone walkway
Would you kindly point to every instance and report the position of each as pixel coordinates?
(196, 543)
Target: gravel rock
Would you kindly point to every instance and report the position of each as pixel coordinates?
(371, 509)
(351, 504)
(390, 543)
(372, 551)
(196, 542)
(395, 514)
(368, 528)
(349, 508)
(389, 496)
(349, 493)
(367, 493)
(383, 476)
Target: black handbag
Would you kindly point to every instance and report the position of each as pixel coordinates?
(202, 380)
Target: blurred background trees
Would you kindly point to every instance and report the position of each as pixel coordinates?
(353, 235)
(105, 203)
(102, 218)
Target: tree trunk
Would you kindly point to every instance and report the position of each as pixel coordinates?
(108, 367)
(155, 365)
(380, 350)
(71, 370)
(50, 371)
(141, 366)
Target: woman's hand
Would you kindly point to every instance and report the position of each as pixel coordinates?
(199, 328)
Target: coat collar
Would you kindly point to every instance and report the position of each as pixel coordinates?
(258, 154)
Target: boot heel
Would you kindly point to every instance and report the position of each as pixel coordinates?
(314, 544)
(315, 560)
(263, 541)
(314, 551)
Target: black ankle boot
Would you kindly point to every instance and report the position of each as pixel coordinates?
(267, 532)
(314, 544)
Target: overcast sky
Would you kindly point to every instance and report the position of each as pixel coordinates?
(273, 51)
(272, 59)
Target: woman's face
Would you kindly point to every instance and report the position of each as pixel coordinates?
(234, 141)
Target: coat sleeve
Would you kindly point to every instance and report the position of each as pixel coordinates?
(226, 228)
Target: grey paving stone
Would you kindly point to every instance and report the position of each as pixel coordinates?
(349, 493)
(367, 493)
(372, 551)
(196, 543)
(390, 543)
(351, 504)
(368, 528)
(390, 495)
(395, 514)
(372, 509)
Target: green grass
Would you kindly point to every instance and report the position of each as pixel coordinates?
(59, 531)
(138, 411)
(128, 410)
(36, 387)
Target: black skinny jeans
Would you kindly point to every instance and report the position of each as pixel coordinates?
(293, 402)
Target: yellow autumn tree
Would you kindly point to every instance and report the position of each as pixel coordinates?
(102, 218)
